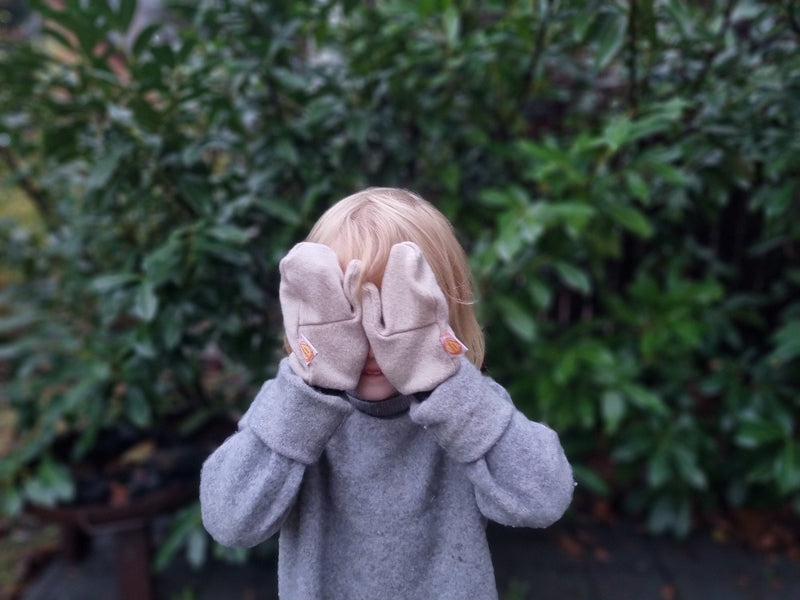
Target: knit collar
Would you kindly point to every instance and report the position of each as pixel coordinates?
(390, 407)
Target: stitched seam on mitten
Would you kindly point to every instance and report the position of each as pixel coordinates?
(388, 335)
(345, 320)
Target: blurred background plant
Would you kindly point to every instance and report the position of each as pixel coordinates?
(625, 177)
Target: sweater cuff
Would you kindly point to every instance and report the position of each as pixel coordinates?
(467, 413)
(293, 418)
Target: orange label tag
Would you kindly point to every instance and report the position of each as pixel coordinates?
(452, 345)
(307, 350)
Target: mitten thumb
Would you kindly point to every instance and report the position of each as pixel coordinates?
(352, 274)
(371, 317)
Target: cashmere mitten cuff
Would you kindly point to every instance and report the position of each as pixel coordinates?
(293, 418)
(467, 413)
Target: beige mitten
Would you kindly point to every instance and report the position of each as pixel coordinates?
(406, 323)
(322, 317)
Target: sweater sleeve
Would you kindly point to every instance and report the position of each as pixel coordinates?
(518, 467)
(249, 484)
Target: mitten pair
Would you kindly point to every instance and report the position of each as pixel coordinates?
(330, 331)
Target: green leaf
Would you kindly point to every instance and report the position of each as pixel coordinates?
(660, 120)
(58, 36)
(611, 37)
(644, 399)
(186, 521)
(517, 317)
(224, 252)
(637, 186)
(196, 547)
(144, 38)
(11, 502)
(787, 468)
(682, 18)
(612, 408)
(88, 436)
(16, 322)
(127, 9)
(631, 445)
(451, 178)
(618, 132)
(290, 81)
(630, 218)
(688, 468)
(757, 431)
(75, 399)
(165, 262)
(574, 215)
(52, 484)
(137, 408)
(659, 471)
(143, 344)
(107, 283)
(573, 277)
(786, 341)
(504, 198)
(105, 167)
(16, 349)
(540, 292)
(670, 514)
(231, 234)
(452, 25)
(146, 302)
(590, 479)
(670, 173)
(547, 152)
(279, 209)
(89, 36)
(172, 327)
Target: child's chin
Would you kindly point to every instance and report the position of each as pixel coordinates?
(375, 388)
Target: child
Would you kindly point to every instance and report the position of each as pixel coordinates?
(379, 450)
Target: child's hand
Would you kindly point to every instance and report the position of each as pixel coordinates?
(406, 323)
(322, 317)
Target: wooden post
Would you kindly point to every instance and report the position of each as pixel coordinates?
(132, 554)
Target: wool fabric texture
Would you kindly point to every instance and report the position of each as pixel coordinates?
(405, 320)
(321, 312)
(383, 499)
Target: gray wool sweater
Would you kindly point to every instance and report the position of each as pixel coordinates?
(386, 499)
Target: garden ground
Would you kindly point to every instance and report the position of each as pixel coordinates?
(581, 558)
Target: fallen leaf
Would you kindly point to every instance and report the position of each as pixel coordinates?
(119, 494)
(601, 555)
(570, 546)
(138, 453)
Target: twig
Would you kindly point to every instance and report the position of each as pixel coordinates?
(633, 76)
(538, 50)
(794, 22)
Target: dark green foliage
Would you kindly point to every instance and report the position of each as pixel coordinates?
(624, 176)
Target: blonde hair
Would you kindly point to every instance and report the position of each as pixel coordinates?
(367, 224)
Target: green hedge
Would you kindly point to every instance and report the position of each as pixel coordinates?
(624, 176)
